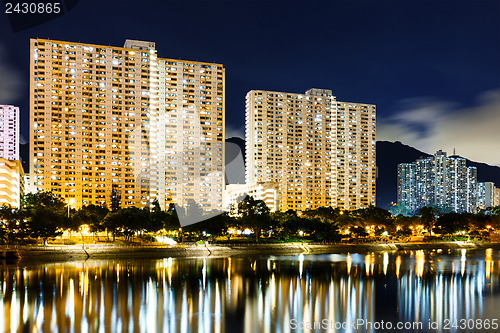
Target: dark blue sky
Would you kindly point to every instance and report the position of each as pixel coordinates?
(381, 52)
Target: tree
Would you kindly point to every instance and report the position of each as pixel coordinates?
(325, 214)
(428, 217)
(91, 215)
(287, 224)
(254, 215)
(375, 216)
(157, 218)
(12, 225)
(450, 223)
(45, 214)
(112, 223)
(171, 221)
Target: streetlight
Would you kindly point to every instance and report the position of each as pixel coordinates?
(69, 203)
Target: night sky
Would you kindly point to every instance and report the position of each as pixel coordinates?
(431, 67)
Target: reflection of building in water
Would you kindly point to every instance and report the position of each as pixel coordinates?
(242, 294)
(195, 295)
(453, 289)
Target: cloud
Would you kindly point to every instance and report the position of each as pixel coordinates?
(430, 124)
(231, 132)
(10, 81)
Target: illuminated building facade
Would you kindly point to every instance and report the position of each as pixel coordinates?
(9, 132)
(440, 181)
(486, 195)
(407, 189)
(497, 197)
(104, 118)
(319, 151)
(268, 192)
(11, 182)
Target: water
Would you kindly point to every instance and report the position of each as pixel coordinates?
(310, 293)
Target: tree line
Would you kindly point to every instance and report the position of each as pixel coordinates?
(43, 216)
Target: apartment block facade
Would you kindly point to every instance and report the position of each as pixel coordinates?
(106, 118)
(320, 152)
(486, 195)
(9, 132)
(440, 181)
(11, 182)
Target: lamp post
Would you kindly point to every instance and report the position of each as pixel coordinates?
(70, 202)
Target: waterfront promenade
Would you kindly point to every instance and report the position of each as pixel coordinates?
(110, 251)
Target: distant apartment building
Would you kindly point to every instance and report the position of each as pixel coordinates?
(234, 193)
(11, 182)
(486, 195)
(105, 117)
(28, 184)
(320, 152)
(9, 132)
(407, 189)
(497, 197)
(439, 181)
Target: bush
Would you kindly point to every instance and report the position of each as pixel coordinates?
(70, 241)
(147, 238)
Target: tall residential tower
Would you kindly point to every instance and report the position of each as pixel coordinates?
(441, 181)
(319, 152)
(9, 132)
(109, 119)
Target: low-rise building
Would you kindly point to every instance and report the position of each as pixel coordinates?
(266, 191)
(11, 182)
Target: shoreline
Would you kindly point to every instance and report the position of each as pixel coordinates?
(76, 252)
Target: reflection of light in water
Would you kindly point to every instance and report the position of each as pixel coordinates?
(349, 263)
(489, 262)
(70, 305)
(151, 307)
(462, 261)
(301, 264)
(386, 262)
(204, 272)
(184, 312)
(420, 261)
(369, 263)
(398, 266)
(229, 277)
(169, 269)
(39, 316)
(262, 299)
(218, 309)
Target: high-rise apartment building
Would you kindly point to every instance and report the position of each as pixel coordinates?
(439, 181)
(9, 132)
(407, 189)
(319, 152)
(486, 195)
(120, 119)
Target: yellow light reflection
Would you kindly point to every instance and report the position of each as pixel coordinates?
(398, 266)
(462, 261)
(420, 261)
(349, 264)
(489, 262)
(386, 262)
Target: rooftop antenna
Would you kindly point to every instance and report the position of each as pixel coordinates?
(454, 151)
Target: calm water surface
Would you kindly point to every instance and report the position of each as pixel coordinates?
(310, 293)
